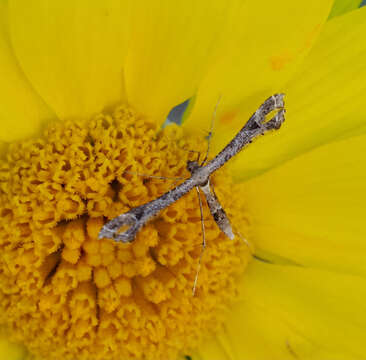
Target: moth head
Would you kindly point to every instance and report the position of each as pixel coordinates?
(192, 166)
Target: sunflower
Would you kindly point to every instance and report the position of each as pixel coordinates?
(86, 87)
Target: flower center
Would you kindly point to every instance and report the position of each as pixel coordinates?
(68, 295)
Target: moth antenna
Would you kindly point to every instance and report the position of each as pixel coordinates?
(211, 130)
(203, 242)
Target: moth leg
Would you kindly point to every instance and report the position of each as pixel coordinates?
(245, 241)
(203, 241)
(153, 176)
(196, 152)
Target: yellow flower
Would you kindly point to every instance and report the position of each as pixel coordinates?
(85, 88)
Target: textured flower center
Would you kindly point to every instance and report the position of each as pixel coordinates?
(68, 295)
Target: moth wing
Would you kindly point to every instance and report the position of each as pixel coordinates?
(217, 212)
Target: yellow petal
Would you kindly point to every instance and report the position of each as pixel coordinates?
(9, 350)
(263, 48)
(171, 44)
(212, 349)
(290, 312)
(325, 101)
(259, 333)
(342, 6)
(22, 111)
(311, 210)
(72, 52)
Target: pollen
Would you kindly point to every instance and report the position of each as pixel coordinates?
(68, 295)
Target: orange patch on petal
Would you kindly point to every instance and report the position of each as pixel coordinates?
(312, 36)
(278, 62)
(228, 117)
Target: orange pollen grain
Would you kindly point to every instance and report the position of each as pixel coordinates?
(66, 294)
